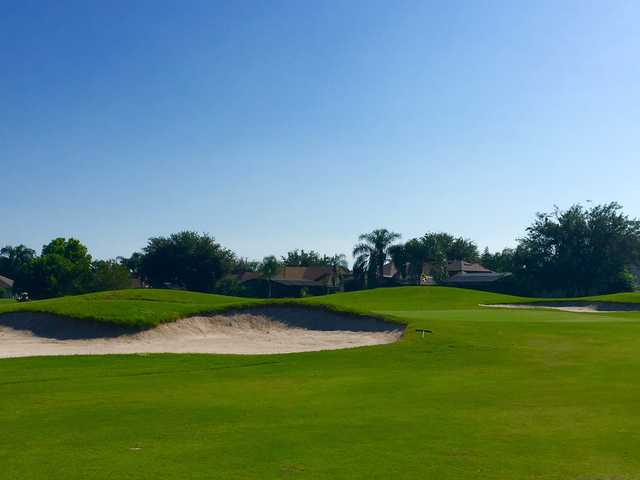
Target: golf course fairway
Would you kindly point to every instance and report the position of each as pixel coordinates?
(489, 394)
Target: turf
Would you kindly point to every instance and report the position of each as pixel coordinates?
(140, 308)
(491, 394)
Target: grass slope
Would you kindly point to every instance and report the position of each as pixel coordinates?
(491, 394)
(141, 307)
(628, 297)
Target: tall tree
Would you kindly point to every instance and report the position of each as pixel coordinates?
(188, 259)
(245, 265)
(339, 266)
(578, 251)
(462, 249)
(12, 259)
(63, 268)
(373, 251)
(400, 258)
(302, 258)
(427, 249)
(269, 268)
(109, 275)
(16, 263)
(133, 263)
(499, 261)
(311, 258)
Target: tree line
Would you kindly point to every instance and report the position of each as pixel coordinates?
(574, 252)
(186, 260)
(377, 248)
(577, 251)
(64, 267)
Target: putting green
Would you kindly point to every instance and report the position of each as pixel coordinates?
(490, 394)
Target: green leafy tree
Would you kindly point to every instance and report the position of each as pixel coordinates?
(302, 258)
(245, 265)
(419, 251)
(499, 261)
(16, 263)
(311, 258)
(109, 275)
(579, 251)
(63, 268)
(13, 259)
(187, 259)
(453, 248)
(133, 264)
(373, 251)
(400, 258)
(461, 249)
(339, 266)
(439, 266)
(269, 268)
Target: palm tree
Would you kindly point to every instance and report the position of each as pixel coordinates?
(373, 250)
(338, 264)
(268, 269)
(400, 259)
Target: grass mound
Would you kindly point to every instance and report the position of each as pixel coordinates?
(134, 308)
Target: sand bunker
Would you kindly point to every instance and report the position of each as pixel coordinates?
(254, 331)
(579, 307)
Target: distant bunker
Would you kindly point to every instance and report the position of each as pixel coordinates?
(258, 330)
(574, 306)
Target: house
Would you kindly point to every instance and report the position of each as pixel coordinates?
(294, 281)
(481, 281)
(6, 285)
(459, 273)
(454, 267)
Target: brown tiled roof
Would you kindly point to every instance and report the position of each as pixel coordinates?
(462, 266)
(5, 282)
(305, 273)
(289, 274)
(453, 267)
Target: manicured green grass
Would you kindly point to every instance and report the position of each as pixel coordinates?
(629, 297)
(141, 307)
(490, 394)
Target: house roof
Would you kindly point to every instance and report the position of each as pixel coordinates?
(453, 267)
(298, 283)
(462, 266)
(305, 273)
(289, 275)
(476, 277)
(5, 282)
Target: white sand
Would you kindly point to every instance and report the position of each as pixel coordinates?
(266, 331)
(578, 307)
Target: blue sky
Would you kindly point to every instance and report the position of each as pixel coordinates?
(276, 125)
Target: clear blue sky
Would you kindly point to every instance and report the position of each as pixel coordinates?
(276, 125)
